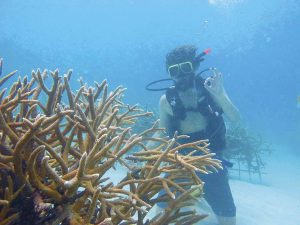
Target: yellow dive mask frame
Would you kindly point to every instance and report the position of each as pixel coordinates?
(176, 70)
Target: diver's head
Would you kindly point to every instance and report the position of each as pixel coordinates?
(181, 65)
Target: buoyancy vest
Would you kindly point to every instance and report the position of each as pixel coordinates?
(215, 129)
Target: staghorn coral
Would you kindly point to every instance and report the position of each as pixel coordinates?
(57, 147)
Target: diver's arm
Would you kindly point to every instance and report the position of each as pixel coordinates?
(229, 109)
(164, 120)
(165, 113)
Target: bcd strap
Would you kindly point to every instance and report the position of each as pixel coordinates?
(176, 104)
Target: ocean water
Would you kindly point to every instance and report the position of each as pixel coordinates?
(255, 44)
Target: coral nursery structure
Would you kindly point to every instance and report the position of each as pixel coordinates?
(246, 151)
(58, 145)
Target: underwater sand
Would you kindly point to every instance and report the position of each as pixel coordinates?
(277, 200)
(274, 202)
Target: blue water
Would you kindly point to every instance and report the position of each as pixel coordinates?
(254, 43)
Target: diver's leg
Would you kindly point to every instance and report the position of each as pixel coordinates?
(218, 195)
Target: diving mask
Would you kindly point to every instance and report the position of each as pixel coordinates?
(179, 69)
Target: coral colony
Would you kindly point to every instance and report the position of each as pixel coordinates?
(58, 145)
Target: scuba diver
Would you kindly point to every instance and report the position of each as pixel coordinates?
(194, 106)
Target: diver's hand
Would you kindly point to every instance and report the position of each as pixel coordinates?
(214, 85)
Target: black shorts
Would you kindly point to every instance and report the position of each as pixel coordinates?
(217, 193)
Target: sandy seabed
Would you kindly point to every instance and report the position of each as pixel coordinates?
(275, 201)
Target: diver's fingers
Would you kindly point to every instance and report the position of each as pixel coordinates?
(218, 77)
(215, 71)
(208, 82)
